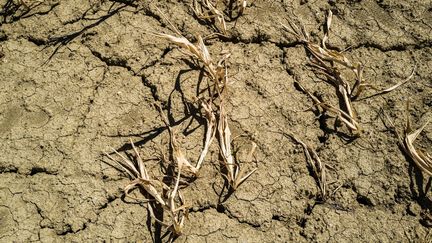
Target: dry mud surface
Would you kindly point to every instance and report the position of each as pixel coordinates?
(78, 77)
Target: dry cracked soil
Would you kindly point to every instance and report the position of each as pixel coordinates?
(80, 76)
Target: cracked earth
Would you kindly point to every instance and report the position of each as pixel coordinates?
(78, 77)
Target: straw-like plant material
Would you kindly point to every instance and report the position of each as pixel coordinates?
(340, 114)
(235, 176)
(315, 163)
(178, 154)
(206, 10)
(422, 159)
(176, 208)
(217, 72)
(235, 8)
(155, 192)
(213, 11)
(387, 90)
(241, 6)
(139, 176)
(325, 62)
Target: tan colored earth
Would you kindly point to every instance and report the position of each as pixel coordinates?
(79, 77)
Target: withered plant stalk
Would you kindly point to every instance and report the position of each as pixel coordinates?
(328, 62)
(155, 192)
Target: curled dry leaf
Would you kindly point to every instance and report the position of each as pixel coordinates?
(422, 159)
(213, 13)
(172, 202)
(178, 155)
(217, 72)
(235, 175)
(406, 139)
(315, 163)
(205, 9)
(325, 62)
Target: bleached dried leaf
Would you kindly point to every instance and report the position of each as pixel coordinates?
(314, 162)
(210, 134)
(406, 141)
(424, 162)
(397, 85)
(204, 9)
(234, 174)
(176, 209)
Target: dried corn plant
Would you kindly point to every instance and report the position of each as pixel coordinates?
(312, 159)
(178, 155)
(328, 63)
(324, 61)
(406, 139)
(216, 71)
(215, 12)
(234, 175)
(240, 6)
(206, 10)
(156, 193)
(314, 163)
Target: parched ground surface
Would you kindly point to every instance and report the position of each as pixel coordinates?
(78, 77)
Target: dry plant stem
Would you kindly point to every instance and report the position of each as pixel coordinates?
(218, 75)
(311, 155)
(210, 12)
(242, 6)
(235, 175)
(178, 155)
(314, 162)
(423, 160)
(325, 61)
(217, 72)
(206, 9)
(179, 213)
(340, 114)
(211, 131)
(139, 176)
(171, 202)
(237, 5)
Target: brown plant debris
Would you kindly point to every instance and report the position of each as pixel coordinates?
(328, 63)
(218, 75)
(406, 139)
(217, 12)
(217, 72)
(178, 155)
(314, 162)
(156, 193)
(206, 10)
(235, 176)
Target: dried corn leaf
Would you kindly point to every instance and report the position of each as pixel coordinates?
(235, 175)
